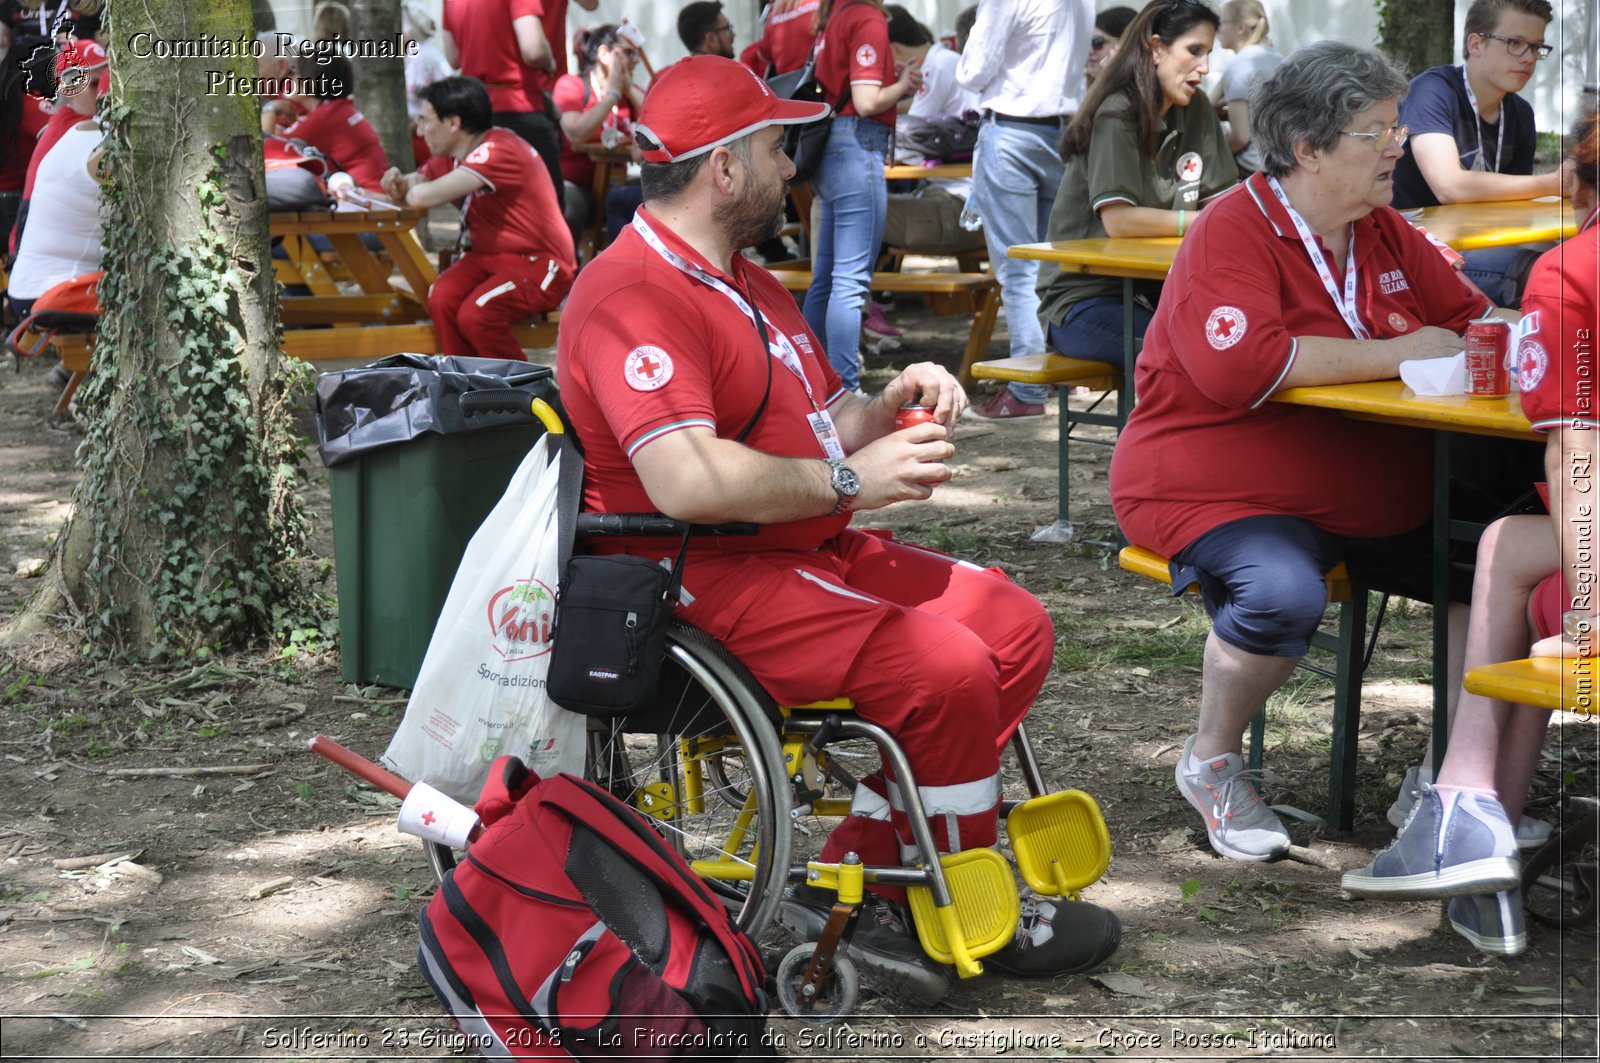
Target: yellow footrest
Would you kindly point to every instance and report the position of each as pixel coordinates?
(986, 908)
(1060, 841)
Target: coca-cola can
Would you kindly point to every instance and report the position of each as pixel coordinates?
(1487, 342)
(911, 414)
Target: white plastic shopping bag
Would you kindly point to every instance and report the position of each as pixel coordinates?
(481, 689)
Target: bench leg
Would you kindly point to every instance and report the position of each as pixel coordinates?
(1347, 710)
(983, 323)
(1061, 530)
(1258, 738)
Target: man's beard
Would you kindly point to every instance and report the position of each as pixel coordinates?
(754, 217)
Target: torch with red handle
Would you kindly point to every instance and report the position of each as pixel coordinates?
(424, 811)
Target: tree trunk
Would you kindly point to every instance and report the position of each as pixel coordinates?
(1418, 33)
(186, 524)
(381, 83)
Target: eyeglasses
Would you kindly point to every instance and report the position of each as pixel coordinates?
(1096, 43)
(728, 29)
(1381, 140)
(1516, 47)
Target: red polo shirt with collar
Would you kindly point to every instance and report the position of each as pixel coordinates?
(343, 134)
(1204, 446)
(855, 51)
(488, 46)
(647, 349)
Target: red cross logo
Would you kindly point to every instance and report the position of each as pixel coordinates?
(428, 819)
(1190, 167)
(1225, 327)
(647, 368)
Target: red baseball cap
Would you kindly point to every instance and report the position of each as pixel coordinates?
(85, 54)
(705, 101)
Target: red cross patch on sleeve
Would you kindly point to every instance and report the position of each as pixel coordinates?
(647, 368)
(1225, 327)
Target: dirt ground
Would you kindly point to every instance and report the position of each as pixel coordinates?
(181, 879)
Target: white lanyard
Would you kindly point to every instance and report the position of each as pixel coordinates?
(1594, 215)
(1346, 305)
(1480, 163)
(779, 347)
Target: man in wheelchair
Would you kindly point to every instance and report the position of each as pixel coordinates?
(691, 377)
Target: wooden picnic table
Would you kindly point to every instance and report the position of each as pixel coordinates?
(919, 172)
(610, 167)
(1474, 226)
(1392, 402)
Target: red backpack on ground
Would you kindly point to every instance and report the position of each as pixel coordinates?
(571, 930)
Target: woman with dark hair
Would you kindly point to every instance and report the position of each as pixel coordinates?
(1535, 583)
(856, 69)
(1142, 156)
(598, 105)
(330, 122)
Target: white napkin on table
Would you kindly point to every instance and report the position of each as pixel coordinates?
(1436, 376)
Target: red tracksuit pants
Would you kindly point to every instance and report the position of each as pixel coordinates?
(477, 303)
(946, 655)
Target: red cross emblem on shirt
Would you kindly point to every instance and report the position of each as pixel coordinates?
(1191, 170)
(649, 367)
(1225, 326)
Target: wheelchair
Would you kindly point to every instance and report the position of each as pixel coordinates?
(746, 789)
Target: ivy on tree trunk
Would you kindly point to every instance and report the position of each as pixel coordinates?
(187, 525)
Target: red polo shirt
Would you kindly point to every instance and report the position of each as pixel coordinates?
(513, 213)
(1556, 364)
(647, 349)
(343, 134)
(1204, 446)
(488, 46)
(553, 21)
(855, 51)
(785, 41)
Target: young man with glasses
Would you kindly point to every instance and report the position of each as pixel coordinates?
(705, 30)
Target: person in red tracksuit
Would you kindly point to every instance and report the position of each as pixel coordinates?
(671, 343)
(518, 256)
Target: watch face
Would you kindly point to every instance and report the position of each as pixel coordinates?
(1577, 625)
(845, 480)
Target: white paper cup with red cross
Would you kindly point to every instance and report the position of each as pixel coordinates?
(428, 814)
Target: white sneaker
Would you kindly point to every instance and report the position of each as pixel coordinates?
(1532, 833)
(1238, 822)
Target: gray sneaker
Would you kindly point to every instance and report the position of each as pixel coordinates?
(1452, 844)
(1491, 921)
(1531, 833)
(1238, 822)
(885, 945)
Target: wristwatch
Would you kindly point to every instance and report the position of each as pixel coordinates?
(1578, 625)
(846, 484)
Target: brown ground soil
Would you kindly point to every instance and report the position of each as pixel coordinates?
(270, 913)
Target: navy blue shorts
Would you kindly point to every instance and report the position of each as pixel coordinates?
(1261, 578)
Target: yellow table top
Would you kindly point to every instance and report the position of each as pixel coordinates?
(1543, 682)
(1391, 402)
(918, 172)
(1472, 226)
(1137, 257)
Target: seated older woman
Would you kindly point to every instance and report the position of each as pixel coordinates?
(1303, 275)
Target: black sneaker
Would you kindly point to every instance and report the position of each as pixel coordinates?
(885, 945)
(1059, 937)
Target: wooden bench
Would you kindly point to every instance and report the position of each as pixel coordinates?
(1349, 667)
(946, 293)
(1064, 374)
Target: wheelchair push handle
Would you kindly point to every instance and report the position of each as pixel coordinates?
(511, 400)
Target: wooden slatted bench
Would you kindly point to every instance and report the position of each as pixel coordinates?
(947, 293)
(1349, 667)
(1064, 374)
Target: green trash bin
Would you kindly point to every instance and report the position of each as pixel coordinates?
(412, 477)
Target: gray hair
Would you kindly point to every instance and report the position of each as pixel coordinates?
(1313, 95)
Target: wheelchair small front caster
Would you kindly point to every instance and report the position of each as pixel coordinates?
(839, 990)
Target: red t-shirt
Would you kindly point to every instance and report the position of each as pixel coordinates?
(17, 174)
(344, 135)
(572, 93)
(855, 51)
(516, 212)
(646, 349)
(785, 42)
(553, 21)
(1204, 446)
(1556, 365)
(488, 46)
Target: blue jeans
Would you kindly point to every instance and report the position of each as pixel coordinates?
(850, 186)
(1487, 267)
(1092, 329)
(1016, 172)
(621, 201)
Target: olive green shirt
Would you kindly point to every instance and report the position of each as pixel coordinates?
(1192, 164)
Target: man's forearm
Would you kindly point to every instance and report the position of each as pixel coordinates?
(695, 476)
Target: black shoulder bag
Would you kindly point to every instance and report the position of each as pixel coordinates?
(805, 143)
(612, 611)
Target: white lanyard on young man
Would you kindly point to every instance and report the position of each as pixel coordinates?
(1481, 163)
(781, 348)
(1345, 304)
